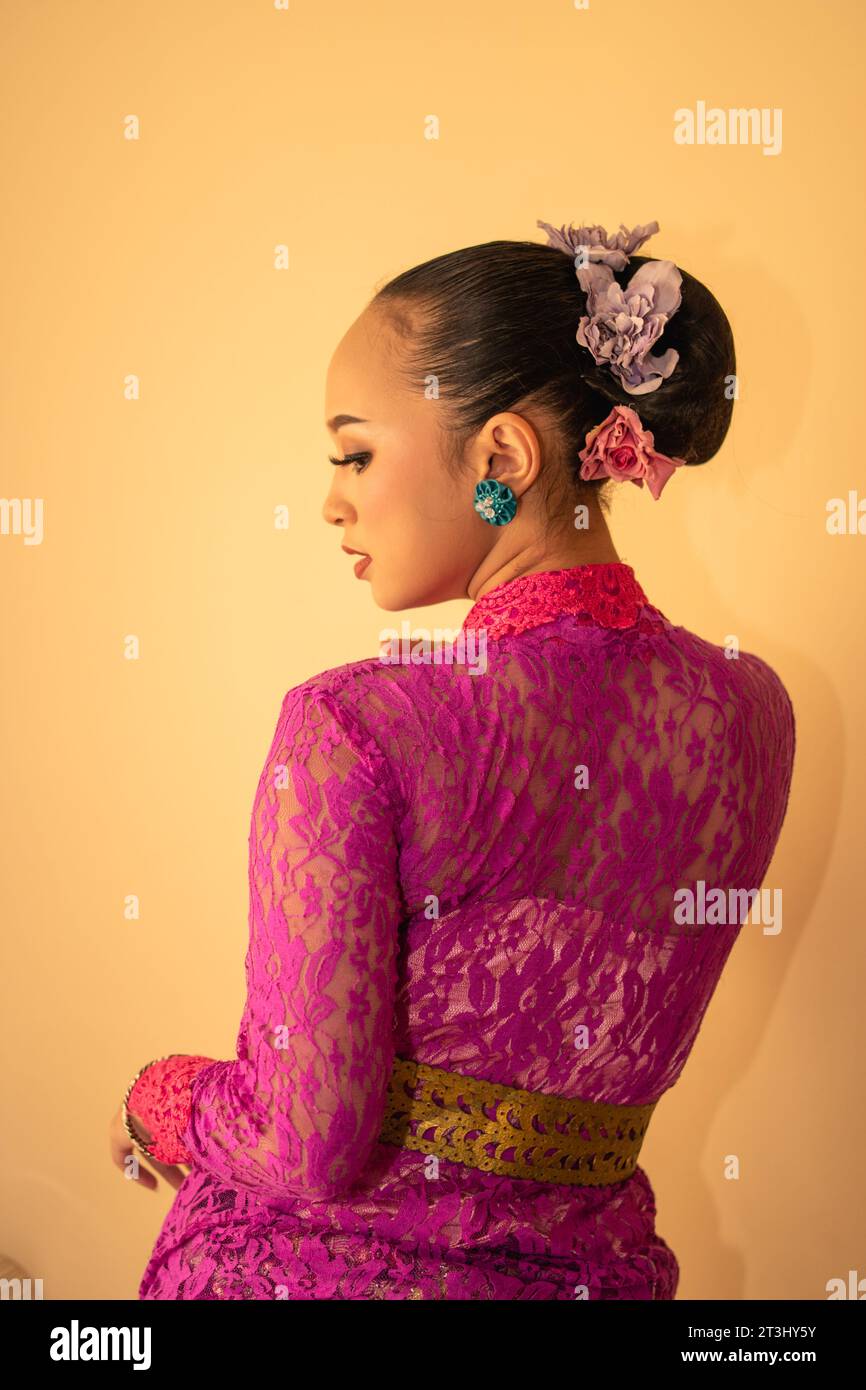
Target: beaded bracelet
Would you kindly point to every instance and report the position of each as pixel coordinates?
(127, 1121)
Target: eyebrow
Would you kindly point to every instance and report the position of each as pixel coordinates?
(340, 420)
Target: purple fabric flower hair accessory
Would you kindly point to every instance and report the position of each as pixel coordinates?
(595, 244)
(623, 323)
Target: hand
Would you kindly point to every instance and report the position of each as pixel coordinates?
(122, 1146)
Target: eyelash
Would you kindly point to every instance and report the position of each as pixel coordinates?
(353, 459)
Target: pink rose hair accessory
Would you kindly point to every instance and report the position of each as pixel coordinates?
(621, 448)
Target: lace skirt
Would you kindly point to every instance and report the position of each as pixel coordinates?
(469, 1235)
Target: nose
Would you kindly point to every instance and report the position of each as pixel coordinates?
(335, 508)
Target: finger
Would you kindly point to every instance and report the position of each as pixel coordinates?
(172, 1174)
(120, 1155)
(138, 1172)
(145, 1178)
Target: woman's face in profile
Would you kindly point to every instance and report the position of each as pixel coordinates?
(395, 501)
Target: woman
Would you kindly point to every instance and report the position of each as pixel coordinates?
(479, 944)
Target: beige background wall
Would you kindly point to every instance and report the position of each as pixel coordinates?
(261, 126)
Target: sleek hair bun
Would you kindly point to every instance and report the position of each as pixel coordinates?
(496, 325)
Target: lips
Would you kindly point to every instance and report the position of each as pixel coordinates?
(362, 563)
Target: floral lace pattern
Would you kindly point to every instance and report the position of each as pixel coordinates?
(475, 871)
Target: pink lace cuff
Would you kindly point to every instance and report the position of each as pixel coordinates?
(162, 1099)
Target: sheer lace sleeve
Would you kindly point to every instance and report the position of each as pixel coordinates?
(301, 1108)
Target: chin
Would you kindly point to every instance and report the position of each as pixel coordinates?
(389, 604)
(415, 592)
(391, 600)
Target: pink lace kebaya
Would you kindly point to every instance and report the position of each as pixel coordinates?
(433, 876)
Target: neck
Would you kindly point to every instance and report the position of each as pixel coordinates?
(512, 555)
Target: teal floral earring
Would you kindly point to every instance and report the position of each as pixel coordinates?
(495, 502)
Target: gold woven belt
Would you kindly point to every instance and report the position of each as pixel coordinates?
(502, 1129)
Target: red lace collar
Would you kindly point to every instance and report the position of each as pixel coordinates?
(607, 594)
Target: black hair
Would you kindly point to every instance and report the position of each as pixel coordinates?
(495, 324)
